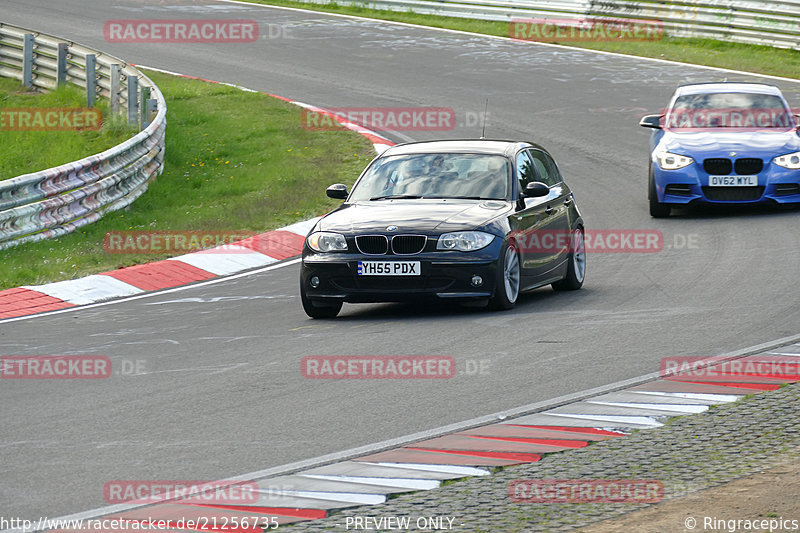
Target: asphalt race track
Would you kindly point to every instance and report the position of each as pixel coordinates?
(220, 393)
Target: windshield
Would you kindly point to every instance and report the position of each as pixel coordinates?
(476, 176)
(730, 110)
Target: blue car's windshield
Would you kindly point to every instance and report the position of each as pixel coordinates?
(730, 110)
(477, 176)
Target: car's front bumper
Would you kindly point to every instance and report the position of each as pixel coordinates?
(690, 186)
(445, 275)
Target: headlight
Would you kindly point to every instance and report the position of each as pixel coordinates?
(670, 161)
(324, 241)
(791, 161)
(464, 241)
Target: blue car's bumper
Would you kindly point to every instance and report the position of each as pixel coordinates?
(691, 185)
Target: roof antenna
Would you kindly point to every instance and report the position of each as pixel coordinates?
(483, 130)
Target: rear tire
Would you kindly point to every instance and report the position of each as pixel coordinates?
(317, 309)
(576, 264)
(508, 279)
(657, 209)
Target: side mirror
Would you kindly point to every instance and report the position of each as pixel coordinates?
(651, 121)
(337, 191)
(536, 189)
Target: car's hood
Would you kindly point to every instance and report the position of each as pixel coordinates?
(412, 215)
(721, 143)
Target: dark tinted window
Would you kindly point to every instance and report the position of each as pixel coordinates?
(437, 175)
(555, 174)
(542, 168)
(525, 170)
(729, 110)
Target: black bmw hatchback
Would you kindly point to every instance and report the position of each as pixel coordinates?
(461, 219)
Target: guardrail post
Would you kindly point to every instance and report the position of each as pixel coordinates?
(151, 110)
(91, 79)
(133, 100)
(144, 118)
(61, 69)
(115, 89)
(27, 61)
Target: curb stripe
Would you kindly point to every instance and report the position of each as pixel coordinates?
(509, 456)
(160, 275)
(588, 431)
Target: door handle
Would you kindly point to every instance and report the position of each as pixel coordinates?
(549, 210)
(568, 201)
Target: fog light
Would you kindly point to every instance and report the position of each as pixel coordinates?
(314, 281)
(477, 281)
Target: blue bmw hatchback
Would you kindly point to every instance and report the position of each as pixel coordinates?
(723, 143)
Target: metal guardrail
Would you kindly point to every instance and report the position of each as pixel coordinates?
(765, 22)
(59, 200)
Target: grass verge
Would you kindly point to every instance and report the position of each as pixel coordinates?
(735, 56)
(235, 162)
(23, 150)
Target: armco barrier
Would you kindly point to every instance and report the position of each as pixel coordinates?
(59, 200)
(765, 22)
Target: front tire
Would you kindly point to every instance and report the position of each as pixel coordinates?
(657, 209)
(318, 309)
(576, 264)
(508, 280)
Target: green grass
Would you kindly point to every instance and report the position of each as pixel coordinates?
(235, 162)
(23, 150)
(735, 56)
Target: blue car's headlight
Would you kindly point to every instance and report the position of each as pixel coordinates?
(464, 241)
(791, 161)
(669, 161)
(325, 241)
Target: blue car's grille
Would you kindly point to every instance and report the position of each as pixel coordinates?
(718, 166)
(748, 166)
(733, 194)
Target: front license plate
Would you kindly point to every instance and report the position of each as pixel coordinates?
(389, 268)
(733, 181)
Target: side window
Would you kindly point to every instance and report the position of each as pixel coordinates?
(542, 168)
(554, 172)
(525, 172)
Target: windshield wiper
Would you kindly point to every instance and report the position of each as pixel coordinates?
(462, 197)
(395, 197)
